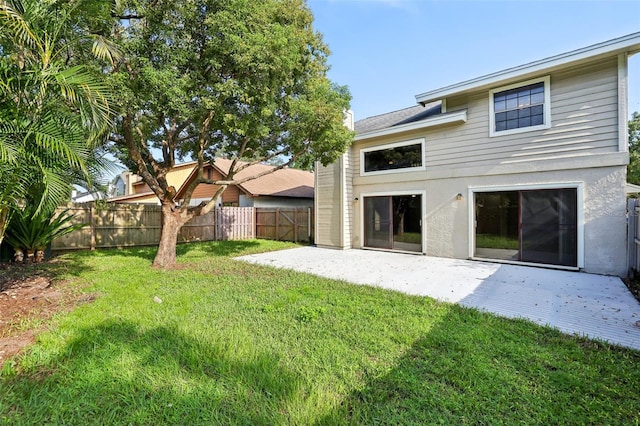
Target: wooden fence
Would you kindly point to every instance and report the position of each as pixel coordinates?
(285, 224)
(128, 225)
(633, 212)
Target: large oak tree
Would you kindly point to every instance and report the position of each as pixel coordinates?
(240, 79)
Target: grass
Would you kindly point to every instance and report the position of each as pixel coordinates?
(496, 242)
(233, 343)
(408, 237)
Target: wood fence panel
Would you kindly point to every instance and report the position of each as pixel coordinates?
(266, 223)
(199, 228)
(284, 224)
(235, 223)
(79, 239)
(128, 225)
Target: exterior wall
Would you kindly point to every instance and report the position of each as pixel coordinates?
(175, 178)
(448, 232)
(329, 205)
(581, 147)
(204, 192)
(140, 188)
(280, 201)
(584, 122)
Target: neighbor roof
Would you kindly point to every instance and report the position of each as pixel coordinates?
(627, 44)
(281, 183)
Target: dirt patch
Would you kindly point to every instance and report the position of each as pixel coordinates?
(29, 297)
(633, 284)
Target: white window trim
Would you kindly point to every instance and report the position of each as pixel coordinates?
(420, 141)
(547, 107)
(423, 217)
(579, 186)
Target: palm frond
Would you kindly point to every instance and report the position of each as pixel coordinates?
(14, 21)
(104, 49)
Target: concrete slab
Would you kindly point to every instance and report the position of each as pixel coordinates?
(574, 302)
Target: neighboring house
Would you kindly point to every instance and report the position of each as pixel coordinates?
(525, 165)
(84, 196)
(282, 188)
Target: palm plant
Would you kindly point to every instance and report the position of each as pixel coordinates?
(53, 114)
(30, 233)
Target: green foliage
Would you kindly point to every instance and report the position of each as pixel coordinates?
(244, 80)
(54, 113)
(234, 343)
(633, 170)
(30, 231)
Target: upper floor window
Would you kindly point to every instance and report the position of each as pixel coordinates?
(402, 156)
(520, 107)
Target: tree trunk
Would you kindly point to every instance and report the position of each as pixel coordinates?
(172, 222)
(4, 221)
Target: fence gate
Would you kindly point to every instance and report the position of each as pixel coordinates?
(284, 224)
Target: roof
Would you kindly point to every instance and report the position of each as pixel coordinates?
(396, 118)
(141, 195)
(626, 44)
(285, 182)
(281, 183)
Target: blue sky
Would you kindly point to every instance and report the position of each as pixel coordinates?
(387, 51)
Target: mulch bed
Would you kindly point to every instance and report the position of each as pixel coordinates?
(28, 298)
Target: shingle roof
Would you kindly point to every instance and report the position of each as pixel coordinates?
(396, 118)
(281, 183)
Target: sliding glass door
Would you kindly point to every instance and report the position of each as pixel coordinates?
(536, 226)
(393, 222)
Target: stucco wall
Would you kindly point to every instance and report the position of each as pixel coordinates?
(447, 222)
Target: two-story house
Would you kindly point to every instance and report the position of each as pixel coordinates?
(525, 165)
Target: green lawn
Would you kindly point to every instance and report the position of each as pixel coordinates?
(497, 242)
(233, 343)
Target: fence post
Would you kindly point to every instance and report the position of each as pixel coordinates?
(631, 235)
(92, 227)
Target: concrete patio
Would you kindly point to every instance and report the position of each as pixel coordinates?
(576, 303)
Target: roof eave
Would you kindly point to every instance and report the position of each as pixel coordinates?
(439, 120)
(629, 44)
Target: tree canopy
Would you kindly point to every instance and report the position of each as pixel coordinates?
(240, 79)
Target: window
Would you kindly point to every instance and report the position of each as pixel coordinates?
(520, 107)
(528, 225)
(403, 156)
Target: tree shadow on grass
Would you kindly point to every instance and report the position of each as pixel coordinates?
(118, 373)
(56, 267)
(195, 249)
(474, 368)
(217, 248)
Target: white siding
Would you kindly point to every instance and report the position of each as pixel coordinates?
(347, 238)
(580, 146)
(327, 205)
